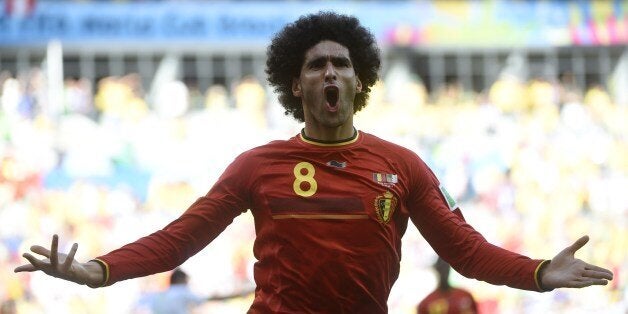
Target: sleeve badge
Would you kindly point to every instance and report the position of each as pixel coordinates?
(451, 202)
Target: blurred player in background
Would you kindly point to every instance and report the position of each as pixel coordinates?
(178, 298)
(446, 299)
(330, 204)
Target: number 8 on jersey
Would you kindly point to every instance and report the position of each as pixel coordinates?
(308, 177)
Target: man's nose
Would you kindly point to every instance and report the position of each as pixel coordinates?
(330, 72)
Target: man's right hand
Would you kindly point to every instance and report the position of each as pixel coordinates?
(62, 265)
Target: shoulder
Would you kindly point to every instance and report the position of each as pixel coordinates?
(375, 141)
(394, 151)
(271, 148)
(435, 294)
(252, 158)
(463, 292)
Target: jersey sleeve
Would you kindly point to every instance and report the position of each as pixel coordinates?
(202, 222)
(443, 226)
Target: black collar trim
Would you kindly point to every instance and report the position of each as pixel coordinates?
(343, 141)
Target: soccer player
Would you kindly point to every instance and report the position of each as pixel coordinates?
(330, 204)
(177, 298)
(446, 299)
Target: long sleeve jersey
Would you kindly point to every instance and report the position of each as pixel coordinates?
(329, 218)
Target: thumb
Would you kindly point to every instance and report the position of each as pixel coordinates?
(577, 245)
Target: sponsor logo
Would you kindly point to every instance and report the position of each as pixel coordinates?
(385, 205)
(385, 179)
(337, 164)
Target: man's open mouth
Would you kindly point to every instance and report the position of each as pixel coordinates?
(331, 95)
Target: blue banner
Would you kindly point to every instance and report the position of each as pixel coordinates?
(416, 23)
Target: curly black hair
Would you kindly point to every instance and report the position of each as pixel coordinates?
(286, 54)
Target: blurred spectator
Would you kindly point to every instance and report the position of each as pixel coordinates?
(78, 97)
(570, 91)
(508, 94)
(250, 99)
(120, 98)
(195, 95)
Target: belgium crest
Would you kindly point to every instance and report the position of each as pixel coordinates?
(385, 205)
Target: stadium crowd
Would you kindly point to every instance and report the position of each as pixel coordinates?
(534, 165)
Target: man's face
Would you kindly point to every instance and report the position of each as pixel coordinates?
(327, 85)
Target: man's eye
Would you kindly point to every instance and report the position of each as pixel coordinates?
(343, 63)
(317, 65)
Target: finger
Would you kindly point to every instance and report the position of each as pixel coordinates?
(28, 267)
(587, 283)
(597, 275)
(54, 258)
(38, 264)
(578, 244)
(601, 270)
(40, 250)
(68, 259)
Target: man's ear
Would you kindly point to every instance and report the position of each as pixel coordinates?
(296, 87)
(358, 85)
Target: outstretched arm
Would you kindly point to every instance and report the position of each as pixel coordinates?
(62, 265)
(566, 271)
(442, 224)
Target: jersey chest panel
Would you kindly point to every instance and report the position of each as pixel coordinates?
(329, 186)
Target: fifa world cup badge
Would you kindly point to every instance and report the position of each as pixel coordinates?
(451, 202)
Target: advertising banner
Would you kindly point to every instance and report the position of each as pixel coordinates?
(488, 23)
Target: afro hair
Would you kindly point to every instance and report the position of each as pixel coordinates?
(286, 55)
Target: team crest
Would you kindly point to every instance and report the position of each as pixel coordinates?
(385, 205)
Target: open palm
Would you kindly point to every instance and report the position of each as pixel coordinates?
(566, 271)
(56, 264)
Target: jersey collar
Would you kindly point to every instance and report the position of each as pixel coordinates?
(346, 141)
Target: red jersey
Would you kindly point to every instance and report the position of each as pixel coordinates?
(329, 218)
(450, 301)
